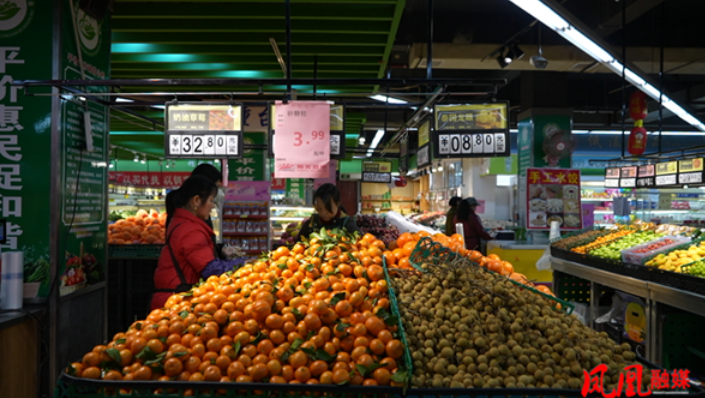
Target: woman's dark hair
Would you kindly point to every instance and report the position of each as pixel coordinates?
(329, 195)
(454, 201)
(195, 185)
(464, 211)
(208, 171)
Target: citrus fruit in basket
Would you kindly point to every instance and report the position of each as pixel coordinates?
(299, 315)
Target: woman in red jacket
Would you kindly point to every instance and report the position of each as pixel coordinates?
(189, 253)
(472, 226)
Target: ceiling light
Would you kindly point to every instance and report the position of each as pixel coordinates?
(137, 158)
(387, 99)
(375, 142)
(550, 18)
(167, 164)
(144, 160)
(123, 100)
(157, 106)
(361, 141)
(173, 163)
(440, 167)
(216, 161)
(160, 162)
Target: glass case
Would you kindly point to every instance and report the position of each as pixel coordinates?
(673, 206)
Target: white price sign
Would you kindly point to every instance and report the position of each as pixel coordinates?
(611, 183)
(666, 180)
(334, 144)
(204, 145)
(690, 178)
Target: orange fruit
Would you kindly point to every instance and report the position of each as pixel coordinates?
(394, 349)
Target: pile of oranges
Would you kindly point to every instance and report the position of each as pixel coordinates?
(142, 228)
(399, 252)
(317, 313)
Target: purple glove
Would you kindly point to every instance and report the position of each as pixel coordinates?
(219, 267)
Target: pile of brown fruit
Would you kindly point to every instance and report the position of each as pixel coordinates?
(468, 327)
(569, 242)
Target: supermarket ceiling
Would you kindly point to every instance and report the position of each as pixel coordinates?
(367, 38)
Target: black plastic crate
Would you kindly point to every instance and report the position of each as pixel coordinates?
(689, 283)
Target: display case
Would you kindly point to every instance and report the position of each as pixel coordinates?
(283, 217)
(674, 206)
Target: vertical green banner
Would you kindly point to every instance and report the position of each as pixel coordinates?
(25, 136)
(84, 174)
(524, 145)
(251, 167)
(296, 190)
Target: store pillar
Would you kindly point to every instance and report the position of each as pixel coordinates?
(481, 187)
(545, 140)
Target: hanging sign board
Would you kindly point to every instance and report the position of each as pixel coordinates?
(302, 149)
(404, 156)
(667, 174)
(423, 154)
(377, 172)
(628, 177)
(553, 195)
(612, 177)
(203, 130)
(337, 131)
(690, 171)
(471, 131)
(646, 176)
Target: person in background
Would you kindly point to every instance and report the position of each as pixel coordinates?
(450, 216)
(189, 252)
(472, 225)
(207, 171)
(329, 212)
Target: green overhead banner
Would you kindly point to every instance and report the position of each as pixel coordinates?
(251, 166)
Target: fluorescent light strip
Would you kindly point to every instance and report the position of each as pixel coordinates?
(550, 18)
(390, 100)
(375, 142)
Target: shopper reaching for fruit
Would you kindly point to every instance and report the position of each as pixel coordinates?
(188, 253)
(472, 225)
(329, 212)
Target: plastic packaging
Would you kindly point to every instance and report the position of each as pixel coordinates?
(638, 254)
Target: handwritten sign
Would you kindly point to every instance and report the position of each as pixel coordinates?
(302, 147)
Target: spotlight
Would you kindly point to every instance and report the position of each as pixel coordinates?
(503, 60)
(136, 159)
(144, 159)
(111, 164)
(516, 51)
(160, 162)
(167, 164)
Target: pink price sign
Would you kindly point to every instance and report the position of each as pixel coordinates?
(302, 147)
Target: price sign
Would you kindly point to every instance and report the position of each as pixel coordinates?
(690, 178)
(302, 147)
(627, 183)
(612, 172)
(337, 132)
(371, 176)
(404, 156)
(612, 183)
(203, 130)
(666, 174)
(471, 131)
(422, 156)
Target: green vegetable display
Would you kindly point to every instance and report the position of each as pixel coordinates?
(37, 271)
(613, 251)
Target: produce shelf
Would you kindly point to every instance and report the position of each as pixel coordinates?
(134, 251)
(246, 216)
(245, 234)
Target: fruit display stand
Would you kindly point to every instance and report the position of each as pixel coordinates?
(674, 303)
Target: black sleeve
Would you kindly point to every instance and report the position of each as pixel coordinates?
(305, 229)
(351, 225)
